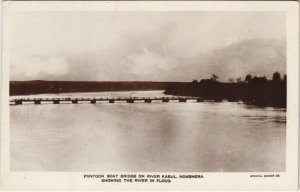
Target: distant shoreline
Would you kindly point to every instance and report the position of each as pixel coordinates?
(55, 87)
(260, 94)
(257, 90)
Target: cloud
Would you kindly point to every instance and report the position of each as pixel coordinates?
(145, 46)
(260, 57)
(46, 66)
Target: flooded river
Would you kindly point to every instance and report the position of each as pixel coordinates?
(175, 137)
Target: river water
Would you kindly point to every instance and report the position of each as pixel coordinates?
(173, 137)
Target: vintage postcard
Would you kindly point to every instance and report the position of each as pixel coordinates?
(150, 95)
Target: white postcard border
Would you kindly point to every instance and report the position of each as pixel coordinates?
(212, 180)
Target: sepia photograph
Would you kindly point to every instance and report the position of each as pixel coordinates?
(153, 91)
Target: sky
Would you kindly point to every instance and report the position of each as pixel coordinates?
(145, 46)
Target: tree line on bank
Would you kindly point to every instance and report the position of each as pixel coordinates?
(252, 89)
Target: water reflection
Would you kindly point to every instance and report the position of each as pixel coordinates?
(223, 136)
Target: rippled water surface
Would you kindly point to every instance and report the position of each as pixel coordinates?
(207, 136)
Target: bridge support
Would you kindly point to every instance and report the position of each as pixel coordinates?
(200, 100)
(182, 100)
(110, 100)
(129, 101)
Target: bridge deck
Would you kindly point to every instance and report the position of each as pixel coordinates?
(94, 100)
